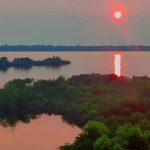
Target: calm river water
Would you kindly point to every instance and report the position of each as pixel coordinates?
(45, 133)
(133, 63)
(48, 133)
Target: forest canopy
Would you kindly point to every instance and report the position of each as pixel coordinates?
(114, 104)
(97, 136)
(78, 99)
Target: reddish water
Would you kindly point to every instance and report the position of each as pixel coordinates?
(133, 63)
(45, 133)
(48, 133)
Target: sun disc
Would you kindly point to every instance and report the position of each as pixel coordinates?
(118, 14)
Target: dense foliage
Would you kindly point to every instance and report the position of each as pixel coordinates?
(106, 98)
(97, 136)
(28, 63)
(78, 99)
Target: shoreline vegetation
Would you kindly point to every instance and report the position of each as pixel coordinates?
(22, 48)
(97, 136)
(108, 108)
(27, 63)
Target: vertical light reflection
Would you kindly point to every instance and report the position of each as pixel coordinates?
(117, 64)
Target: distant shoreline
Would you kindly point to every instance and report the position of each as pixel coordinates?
(77, 51)
(78, 48)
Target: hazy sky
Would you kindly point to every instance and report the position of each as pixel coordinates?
(71, 22)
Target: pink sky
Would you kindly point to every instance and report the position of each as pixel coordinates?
(72, 22)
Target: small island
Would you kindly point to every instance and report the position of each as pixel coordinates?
(27, 63)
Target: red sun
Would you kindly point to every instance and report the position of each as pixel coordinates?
(118, 14)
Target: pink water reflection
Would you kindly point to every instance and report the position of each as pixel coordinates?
(45, 133)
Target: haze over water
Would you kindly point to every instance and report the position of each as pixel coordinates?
(68, 22)
(133, 63)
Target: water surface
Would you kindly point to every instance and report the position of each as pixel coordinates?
(45, 133)
(48, 133)
(134, 63)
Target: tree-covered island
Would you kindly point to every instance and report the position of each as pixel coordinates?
(26, 63)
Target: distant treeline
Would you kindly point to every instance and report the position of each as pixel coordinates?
(28, 63)
(72, 48)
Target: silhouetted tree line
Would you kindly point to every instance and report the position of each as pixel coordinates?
(73, 48)
(28, 63)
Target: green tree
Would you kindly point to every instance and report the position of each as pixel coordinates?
(103, 143)
(131, 137)
(95, 129)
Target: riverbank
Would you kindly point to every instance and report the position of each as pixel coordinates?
(78, 99)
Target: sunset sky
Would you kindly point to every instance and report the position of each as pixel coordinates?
(71, 22)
